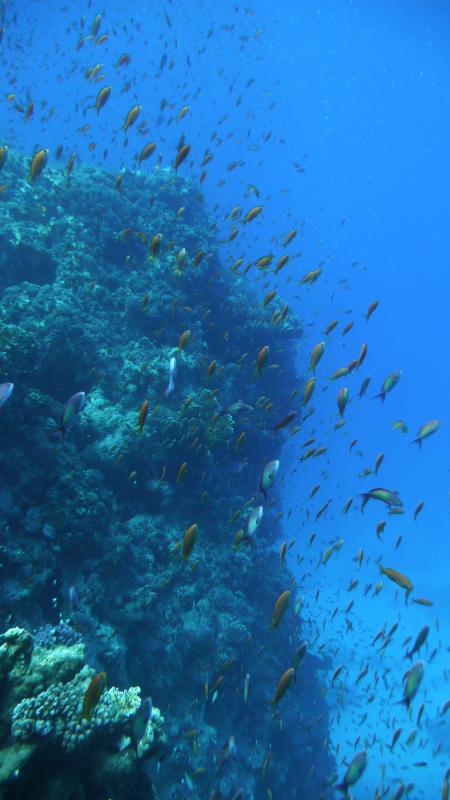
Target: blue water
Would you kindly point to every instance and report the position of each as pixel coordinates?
(357, 94)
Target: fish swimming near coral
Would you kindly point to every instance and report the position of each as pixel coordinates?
(254, 520)
(74, 405)
(268, 476)
(93, 694)
(172, 376)
(140, 721)
(6, 390)
(236, 408)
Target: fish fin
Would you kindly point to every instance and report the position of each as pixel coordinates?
(365, 500)
(381, 396)
(341, 787)
(417, 441)
(263, 492)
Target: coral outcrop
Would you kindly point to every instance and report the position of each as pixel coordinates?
(92, 529)
(42, 722)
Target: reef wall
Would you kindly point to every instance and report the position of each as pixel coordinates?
(92, 528)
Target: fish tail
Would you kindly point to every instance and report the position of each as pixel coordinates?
(263, 492)
(417, 441)
(381, 396)
(342, 787)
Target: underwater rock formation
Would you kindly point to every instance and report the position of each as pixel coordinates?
(42, 724)
(92, 529)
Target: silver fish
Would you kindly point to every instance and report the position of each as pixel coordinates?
(172, 376)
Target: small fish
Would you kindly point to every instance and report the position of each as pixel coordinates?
(246, 687)
(331, 326)
(237, 408)
(371, 309)
(283, 685)
(74, 405)
(182, 153)
(261, 359)
(252, 214)
(387, 496)
(285, 421)
(354, 771)
(339, 373)
(418, 509)
(308, 390)
(38, 163)
(400, 426)
(254, 520)
(146, 151)
(268, 476)
(388, 384)
(422, 601)
(172, 376)
(6, 390)
(289, 236)
(182, 472)
(427, 430)
(131, 117)
(155, 244)
(342, 399)
(189, 539)
(412, 681)
(93, 694)
(183, 339)
(421, 638)
(3, 155)
(140, 721)
(280, 607)
(212, 366)
(102, 98)
(143, 411)
(364, 386)
(182, 112)
(378, 462)
(397, 577)
(316, 354)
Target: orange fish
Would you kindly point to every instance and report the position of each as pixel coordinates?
(252, 214)
(183, 339)
(189, 540)
(131, 117)
(102, 98)
(147, 151)
(142, 415)
(261, 359)
(283, 685)
(280, 607)
(93, 694)
(183, 153)
(182, 472)
(37, 164)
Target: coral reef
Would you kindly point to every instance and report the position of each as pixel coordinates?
(92, 528)
(41, 721)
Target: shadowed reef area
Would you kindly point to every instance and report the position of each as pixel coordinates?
(92, 529)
